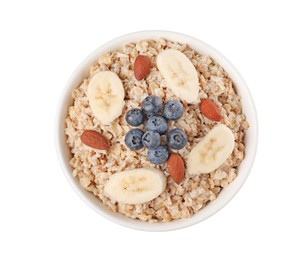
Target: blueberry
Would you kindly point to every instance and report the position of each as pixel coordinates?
(158, 155)
(157, 123)
(152, 105)
(135, 117)
(173, 110)
(176, 139)
(151, 139)
(133, 139)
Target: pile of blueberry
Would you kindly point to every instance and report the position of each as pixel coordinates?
(156, 126)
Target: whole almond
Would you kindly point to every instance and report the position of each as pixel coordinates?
(141, 67)
(176, 167)
(210, 110)
(95, 140)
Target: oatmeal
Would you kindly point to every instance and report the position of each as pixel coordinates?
(182, 196)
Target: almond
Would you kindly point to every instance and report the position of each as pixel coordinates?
(141, 67)
(95, 140)
(176, 167)
(210, 110)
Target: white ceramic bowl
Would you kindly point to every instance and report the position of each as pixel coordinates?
(226, 194)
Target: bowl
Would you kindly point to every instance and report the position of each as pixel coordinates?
(225, 195)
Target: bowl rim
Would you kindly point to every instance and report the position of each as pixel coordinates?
(80, 71)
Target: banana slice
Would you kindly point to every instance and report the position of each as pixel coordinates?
(135, 186)
(106, 96)
(212, 151)
(179, 73)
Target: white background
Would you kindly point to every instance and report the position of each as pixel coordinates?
(41, 44)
